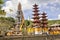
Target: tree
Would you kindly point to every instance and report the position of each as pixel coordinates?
(10, 19)
(2, 12)
(1, 1)
(6, 23)
(27, 23)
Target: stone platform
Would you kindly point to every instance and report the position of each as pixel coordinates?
(40, 37)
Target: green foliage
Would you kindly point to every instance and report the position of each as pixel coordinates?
(7, 19)
(1, 1)
(50, 22)
(27, 22)
(2, 12)
(10, 19)
(6, 23)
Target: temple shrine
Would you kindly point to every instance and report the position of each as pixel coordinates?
(44, 23)
(17, 30)
(44, 20)
(39, 23)
(36, 19)
(36, 16)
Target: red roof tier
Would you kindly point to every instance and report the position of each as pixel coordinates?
(44, 19)
(36, 17)
(35, 5)
(44, 16)
(36, 21)
(35, 8)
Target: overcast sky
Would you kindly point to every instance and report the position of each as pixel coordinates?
(51, 7)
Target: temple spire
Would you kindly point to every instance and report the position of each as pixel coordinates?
(44, 20)
(36, 17)
(19, 6)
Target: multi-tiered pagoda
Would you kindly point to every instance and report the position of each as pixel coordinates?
(36, 17)
(44, 20)
(36, 20)
(19, 14)
(20, 19)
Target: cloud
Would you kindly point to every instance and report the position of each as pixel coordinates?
(8, 7)
(24, 3)
(11, 6)
(50, 6)
(59, 16)
(45, 3)
(52, 9)
(42, 1)
(27, 4)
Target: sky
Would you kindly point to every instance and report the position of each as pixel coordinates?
(50, 7)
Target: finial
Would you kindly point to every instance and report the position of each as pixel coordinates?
(19, 6)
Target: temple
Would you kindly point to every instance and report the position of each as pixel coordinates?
(39, 25)
(36, 16)
(36, 20)
(19, 14)
(17, 30)
(44, 21)
(20, 17)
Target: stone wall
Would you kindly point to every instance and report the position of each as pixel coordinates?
(47, 37)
